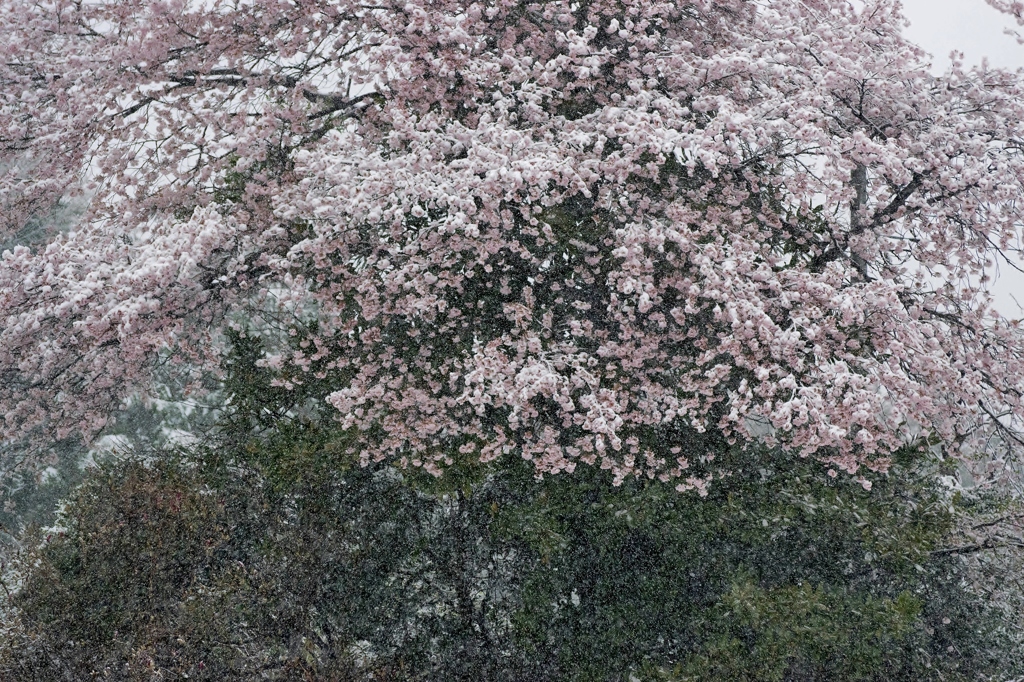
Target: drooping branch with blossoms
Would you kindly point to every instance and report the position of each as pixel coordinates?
(601, 232)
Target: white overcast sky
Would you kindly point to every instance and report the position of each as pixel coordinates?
(978, 31)
(970, 26)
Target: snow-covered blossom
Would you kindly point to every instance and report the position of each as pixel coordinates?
(565, 230)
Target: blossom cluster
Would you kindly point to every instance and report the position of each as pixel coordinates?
(566, 231)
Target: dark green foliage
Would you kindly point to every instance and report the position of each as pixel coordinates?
(269, 554)
(160, 571)
(773, 576)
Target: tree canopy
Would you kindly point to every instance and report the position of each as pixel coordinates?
(574, 231)
(270, 554)
(474, 290)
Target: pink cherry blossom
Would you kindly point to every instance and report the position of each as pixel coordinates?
(568, 231)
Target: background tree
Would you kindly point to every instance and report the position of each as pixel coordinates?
(268, 553)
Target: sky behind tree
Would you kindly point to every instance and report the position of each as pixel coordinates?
(979, 32)
(970, 26)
